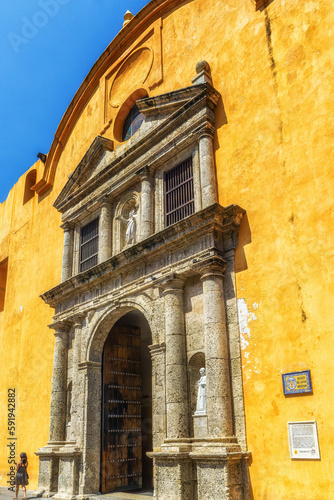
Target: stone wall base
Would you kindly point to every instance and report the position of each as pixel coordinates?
(201, 469)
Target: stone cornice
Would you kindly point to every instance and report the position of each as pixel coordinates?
(212, 220)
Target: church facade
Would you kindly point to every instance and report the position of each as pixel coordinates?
(178, 245)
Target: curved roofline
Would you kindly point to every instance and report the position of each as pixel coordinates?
(132, 29)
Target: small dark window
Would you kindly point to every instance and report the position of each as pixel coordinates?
(132, 123)
(3, 281)
(89, 245)
(179, 192)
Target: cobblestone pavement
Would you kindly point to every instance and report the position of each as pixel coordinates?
(6, 494)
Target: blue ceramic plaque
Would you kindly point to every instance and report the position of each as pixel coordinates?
(297, 382)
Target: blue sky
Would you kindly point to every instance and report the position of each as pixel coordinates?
(47, 47)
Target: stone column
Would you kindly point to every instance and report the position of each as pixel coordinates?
(176, 372)
(158, 355)
(59, 375)
(77, 393)
(146, 222)
(219, 405)
(89, 477)
(66, 270)
(105, 232)
(207, 167)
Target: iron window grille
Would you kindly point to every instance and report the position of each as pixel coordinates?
(179, 192)
(89, 245)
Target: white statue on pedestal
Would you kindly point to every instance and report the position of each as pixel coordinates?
(201, 395)
(131, 230)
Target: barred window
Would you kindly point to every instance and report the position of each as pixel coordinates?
(179, 192)
(89, 244)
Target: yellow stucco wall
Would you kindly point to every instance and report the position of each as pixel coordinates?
(273, 68)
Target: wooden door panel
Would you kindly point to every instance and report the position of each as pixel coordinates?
(122, 439)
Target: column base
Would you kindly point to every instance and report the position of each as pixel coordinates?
(203, 469)
(58, 470)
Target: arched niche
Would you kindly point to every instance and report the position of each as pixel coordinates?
(196, 362)
(29, 183)
(126, 210)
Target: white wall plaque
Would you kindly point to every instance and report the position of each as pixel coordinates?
(303, 440)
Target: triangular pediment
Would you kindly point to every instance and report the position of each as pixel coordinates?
(94, 161)
(161, 113)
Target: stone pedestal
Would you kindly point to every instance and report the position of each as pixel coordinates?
(200, 425)
(48, 471)
(58, 471)
(201, 469)
(68, 484)
(219, 471)
(174, 474)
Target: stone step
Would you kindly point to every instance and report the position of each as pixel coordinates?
(145, 495)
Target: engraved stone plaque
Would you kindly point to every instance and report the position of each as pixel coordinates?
(303, 440)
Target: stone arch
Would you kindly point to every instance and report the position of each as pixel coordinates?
(107, 320)
(93, 370)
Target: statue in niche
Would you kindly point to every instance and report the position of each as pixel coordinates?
(201, 394)
(131, 229)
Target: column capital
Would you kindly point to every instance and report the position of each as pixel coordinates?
(212, 267)
(105, 201)
(172, 284)
(207, 130)
(146, 172)
(67, 226)
(60, 327)
(77, 320)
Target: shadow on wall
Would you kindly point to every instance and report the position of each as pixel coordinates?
(245, 237)
(220, 120)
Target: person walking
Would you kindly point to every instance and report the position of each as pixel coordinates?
(21, 478)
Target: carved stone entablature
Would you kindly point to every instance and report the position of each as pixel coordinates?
(201, 236)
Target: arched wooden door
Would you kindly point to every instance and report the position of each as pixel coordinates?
(121, 413)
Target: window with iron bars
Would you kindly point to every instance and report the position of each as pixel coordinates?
(179, 192)
(89, 245)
